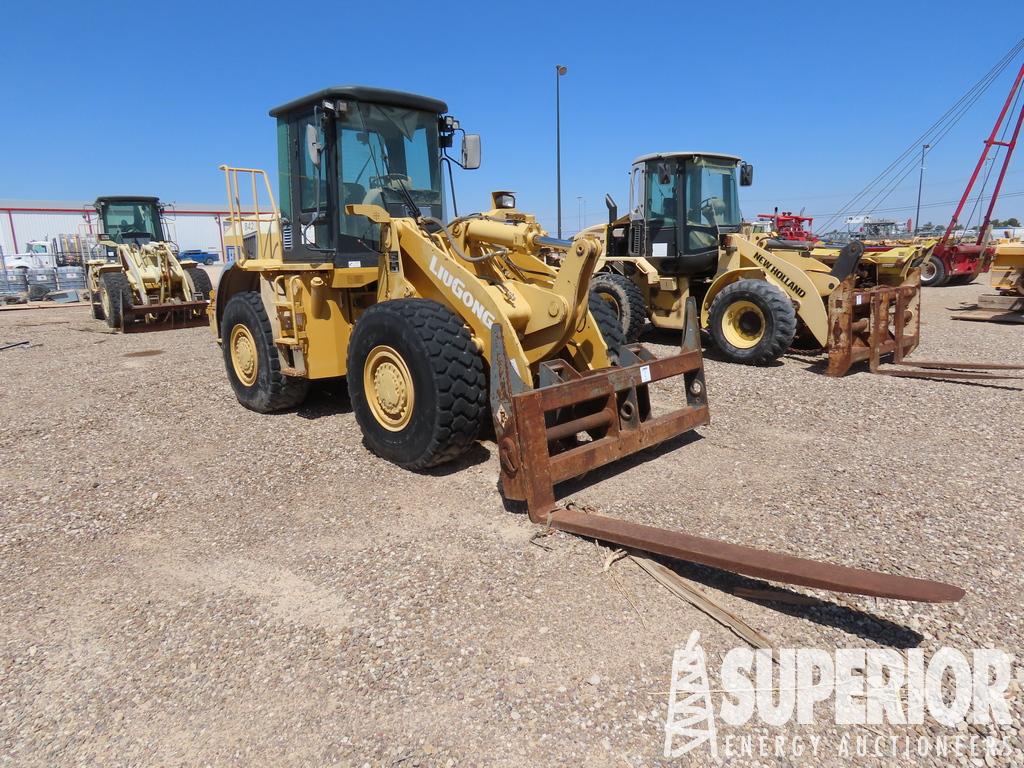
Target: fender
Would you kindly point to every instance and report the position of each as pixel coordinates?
(794, 281)
(232, 280)
(724, 279)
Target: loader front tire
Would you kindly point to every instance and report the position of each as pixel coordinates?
(200, 283)
(625, 299)
(933, 272)
(752, 322)
(416, 382)
(252, 361)
(115, 294)
(97, 307)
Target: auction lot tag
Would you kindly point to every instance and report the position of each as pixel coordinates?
(645, 373)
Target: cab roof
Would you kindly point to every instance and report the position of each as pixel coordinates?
(670, 155)
(367, 94)
(126, 199)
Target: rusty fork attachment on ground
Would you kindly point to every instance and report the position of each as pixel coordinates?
(882, 325)
(164, 316)
(573, 423)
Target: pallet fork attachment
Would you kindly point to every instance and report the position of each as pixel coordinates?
(538, 434)
(167, 316)
(882, 325)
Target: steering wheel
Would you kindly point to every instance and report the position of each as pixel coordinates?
(390, 181)
(708, 206)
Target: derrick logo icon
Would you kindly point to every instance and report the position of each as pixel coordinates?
(852, 687)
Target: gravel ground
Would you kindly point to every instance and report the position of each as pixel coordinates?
(184, 582)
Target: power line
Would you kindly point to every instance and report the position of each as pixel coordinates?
(911, 207)
(932, 135)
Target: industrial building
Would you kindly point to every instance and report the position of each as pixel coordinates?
(191, 226)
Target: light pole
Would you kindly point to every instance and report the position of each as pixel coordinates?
(920, 182)
(559, 71)
(579, 213)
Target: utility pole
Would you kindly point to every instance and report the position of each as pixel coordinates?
(579, 213)
(559, 71)
(920, 183)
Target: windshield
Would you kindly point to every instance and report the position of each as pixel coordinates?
(712, 199)
(387, 156)
(132, 219)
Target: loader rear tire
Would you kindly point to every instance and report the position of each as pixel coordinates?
(416, 382)
(752, 322)
(625, 299)
(200, 282)
(252, 361)
(933, 272)
(115, 294)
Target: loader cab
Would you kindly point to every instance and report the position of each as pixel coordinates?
(130, 220)
(354, 145)
(679, 204)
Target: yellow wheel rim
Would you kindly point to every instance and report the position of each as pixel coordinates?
(388, 387)
(244, 357)
(743, 324)
(105, 301)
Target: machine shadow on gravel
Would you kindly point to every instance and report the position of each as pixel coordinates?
(819, 366)
(826, 613)
(327, 397)
(710, 351)
(475, 454)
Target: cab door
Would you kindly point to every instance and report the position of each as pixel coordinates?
(661, 203)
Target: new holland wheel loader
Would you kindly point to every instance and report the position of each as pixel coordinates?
(683, 237)
(443, 328)
(135, 279)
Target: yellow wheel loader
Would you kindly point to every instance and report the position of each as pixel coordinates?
(683, 238)
(135, 279)
(445, 328)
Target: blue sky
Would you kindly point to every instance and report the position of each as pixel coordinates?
(113, 97)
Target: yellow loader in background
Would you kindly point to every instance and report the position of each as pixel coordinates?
(135, 279)
(683, 239)
(444, 329)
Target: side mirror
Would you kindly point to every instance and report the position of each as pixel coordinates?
(471, 151)
(313, 144)
(746, 174)
(613, 209)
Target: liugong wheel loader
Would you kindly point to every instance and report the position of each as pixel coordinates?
(135, 280)
(439, 326)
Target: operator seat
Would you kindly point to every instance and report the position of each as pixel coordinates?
(352, 193)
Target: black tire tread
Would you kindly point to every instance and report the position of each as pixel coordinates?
(200, 281)
(608, 323)
(941, 276)
(284, 391)
(120, 290)
(630, 299)
(458, 371)
(782, 323)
